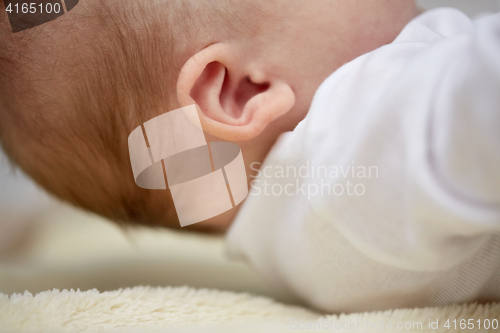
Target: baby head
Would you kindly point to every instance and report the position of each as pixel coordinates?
(73, 89)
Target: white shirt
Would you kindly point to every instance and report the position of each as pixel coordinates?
(418, 221)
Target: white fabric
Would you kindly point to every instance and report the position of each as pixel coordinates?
(72, 249)
(424, 113)
(144, 309)
(140, 307)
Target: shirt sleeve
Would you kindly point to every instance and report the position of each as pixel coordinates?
(416, 127)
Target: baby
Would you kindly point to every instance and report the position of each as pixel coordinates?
(74, 88)
(419, 103)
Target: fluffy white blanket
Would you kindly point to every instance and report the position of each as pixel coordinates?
(71, 250)
(185, 309)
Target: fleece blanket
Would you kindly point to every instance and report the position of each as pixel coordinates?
(184, 309)
(70, 251)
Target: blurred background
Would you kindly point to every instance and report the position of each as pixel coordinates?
(45, 244)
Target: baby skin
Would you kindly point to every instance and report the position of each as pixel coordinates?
(74, 88)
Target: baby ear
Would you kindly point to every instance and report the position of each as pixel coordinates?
(236, 100)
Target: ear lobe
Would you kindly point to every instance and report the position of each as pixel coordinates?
(232, 105)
